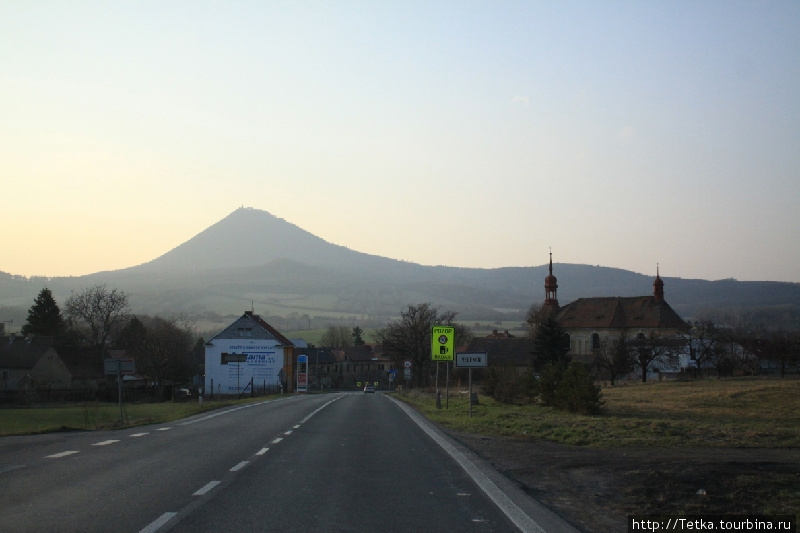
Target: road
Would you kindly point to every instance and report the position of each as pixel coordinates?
(325, 462)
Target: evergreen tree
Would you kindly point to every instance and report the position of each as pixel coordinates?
(358, 336)
(44, 316)
(551, 343)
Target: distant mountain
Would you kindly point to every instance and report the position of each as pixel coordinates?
(251, 237)
(254, 258)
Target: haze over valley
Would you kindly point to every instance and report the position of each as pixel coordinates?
(252, 259)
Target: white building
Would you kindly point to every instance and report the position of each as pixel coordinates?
(249, 349)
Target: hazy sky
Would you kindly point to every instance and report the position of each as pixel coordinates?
(619, 133)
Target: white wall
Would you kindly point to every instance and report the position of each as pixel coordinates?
(264, 361)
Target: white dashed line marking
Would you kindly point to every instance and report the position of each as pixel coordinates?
(62, 454)
(297, 426)
(276, 441)
(157, 523)
(210, 485)
(262, 451)
(10, 468)
(138, 434)
(287, 432)
(105, 443)
(163, 429)
(239, 466)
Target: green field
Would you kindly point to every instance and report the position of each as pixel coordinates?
(742, 412)
(97, 415)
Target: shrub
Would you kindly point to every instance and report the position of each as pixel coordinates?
(504, 384)
(570, 388)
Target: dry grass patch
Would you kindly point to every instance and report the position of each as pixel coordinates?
(742, 412)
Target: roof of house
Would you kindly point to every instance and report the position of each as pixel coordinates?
(82, 363)
(248, 319)
(517, 351)
(359, 354)
(618, 313)
(23, 352)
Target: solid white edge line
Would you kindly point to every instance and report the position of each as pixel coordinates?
(157, 523)
(208, 486)
(517, 516)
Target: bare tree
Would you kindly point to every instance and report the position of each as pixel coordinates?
(655, 349)
(166, 351)
(785, 348)
(409, 337)
(706, 344)
(533, 318)
(615, 356)
(337, 337)
(97, 312)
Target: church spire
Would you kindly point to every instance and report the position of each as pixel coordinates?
(550, 289)
(658, 287)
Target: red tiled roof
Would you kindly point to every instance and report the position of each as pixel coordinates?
(617, 313)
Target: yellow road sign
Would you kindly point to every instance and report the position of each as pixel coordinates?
(443, 343)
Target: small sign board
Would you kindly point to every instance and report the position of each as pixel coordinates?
(302, 373)
(442, 343)
(471, 360)
(126, 367)
(234, 358)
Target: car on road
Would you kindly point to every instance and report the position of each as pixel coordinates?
(369, 388)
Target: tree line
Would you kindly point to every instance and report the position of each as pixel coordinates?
(98, 319)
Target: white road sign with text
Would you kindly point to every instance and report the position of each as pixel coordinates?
(471, 360)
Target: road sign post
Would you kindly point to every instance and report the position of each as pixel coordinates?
(119, 367)
(302, 373)
(442, 349)
(470, 361)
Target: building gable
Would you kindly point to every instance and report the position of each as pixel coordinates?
(252, 326)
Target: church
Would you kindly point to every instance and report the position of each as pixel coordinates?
(589, 321)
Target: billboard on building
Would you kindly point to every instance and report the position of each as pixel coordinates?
(232, 363)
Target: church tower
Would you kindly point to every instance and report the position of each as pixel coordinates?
(550, 290)
(658, 288)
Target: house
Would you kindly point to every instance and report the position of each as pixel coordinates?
(18, 356)
(35, 367)
(347, 368)
(504, 350)
(249, 350)
(67, 368)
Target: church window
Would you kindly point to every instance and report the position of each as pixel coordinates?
(595, 341)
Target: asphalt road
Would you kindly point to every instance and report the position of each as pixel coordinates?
(330, 462)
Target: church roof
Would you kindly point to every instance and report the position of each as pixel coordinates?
(616, 312)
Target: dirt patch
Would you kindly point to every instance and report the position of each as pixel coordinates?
(595, 489)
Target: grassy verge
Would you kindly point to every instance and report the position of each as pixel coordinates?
(742, 412)
(97, 415)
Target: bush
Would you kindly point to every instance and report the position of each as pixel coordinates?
(570, 389)
(506, 385)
